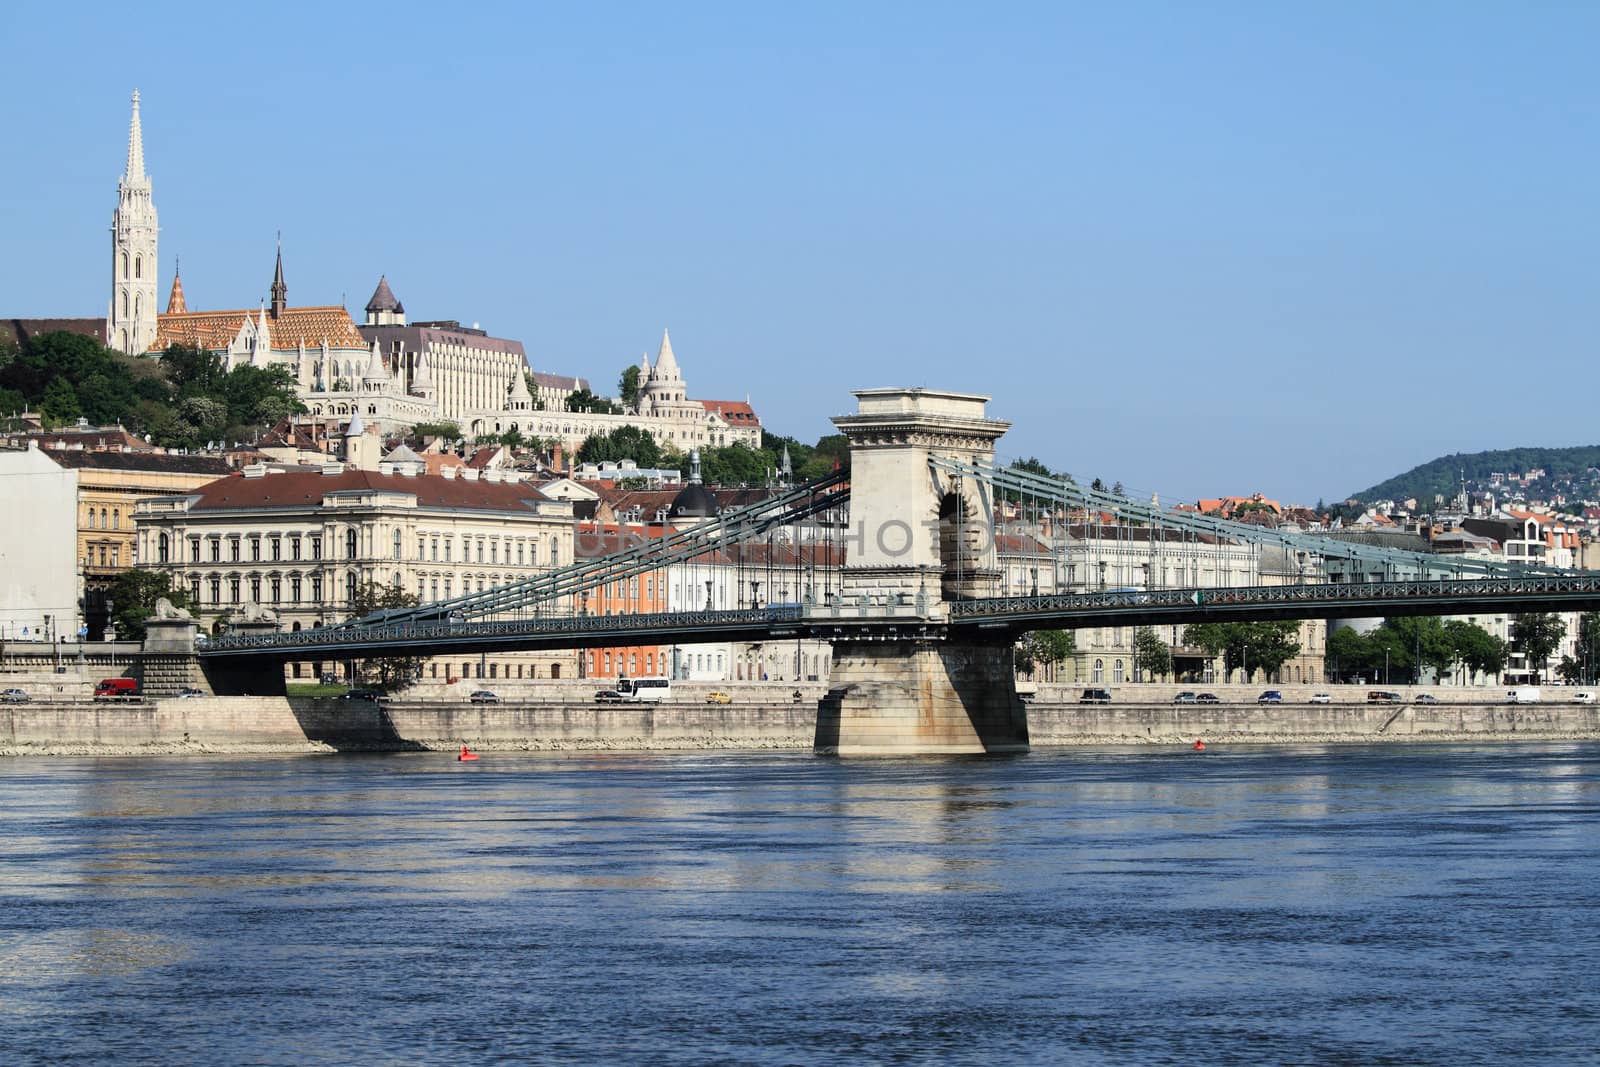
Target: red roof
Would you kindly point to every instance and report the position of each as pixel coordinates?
(736, 412)
(297, 489)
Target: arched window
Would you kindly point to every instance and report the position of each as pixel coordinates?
(163, 549)
(124, 274)
(138, 305)
(1116, 671)
(124, 303)
(1099, 671)
(138, 266)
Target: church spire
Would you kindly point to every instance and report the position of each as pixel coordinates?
(175, 302)
(131, 323)
(135, 171)
(280, 291)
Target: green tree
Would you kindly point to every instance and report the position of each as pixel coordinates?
(1151, 655)
(449, 431)
(628, 386)
(59, 404)
(584, 400)
(1537, 635)
(1248, 646)
(1043, 648)
(390, 672)
(133, 595)
(624, 442)
(1476, 649)
(1348, 653)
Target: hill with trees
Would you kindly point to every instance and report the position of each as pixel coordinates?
(1575, 471)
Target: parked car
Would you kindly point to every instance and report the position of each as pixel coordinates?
(1271, 696)
(1095, 696)
(483, 696)
(1584, 697)
(1427, 698)
(1322, 698)
(1382, 696)
(717, 696)
(1186, 697)
(189, 692)
(608, 696)
(1207, 698)
(361, 694)
(13, 696)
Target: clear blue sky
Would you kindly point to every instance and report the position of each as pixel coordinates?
(1198, 248)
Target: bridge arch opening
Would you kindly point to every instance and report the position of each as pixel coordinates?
(960, 546)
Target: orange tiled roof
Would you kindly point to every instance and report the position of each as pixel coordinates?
(215, 330)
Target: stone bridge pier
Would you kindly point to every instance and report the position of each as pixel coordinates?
(919, 537)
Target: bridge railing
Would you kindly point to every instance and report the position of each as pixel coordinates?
(1066, 603)
(608, 625)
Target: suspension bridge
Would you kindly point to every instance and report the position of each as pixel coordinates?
(922, 614)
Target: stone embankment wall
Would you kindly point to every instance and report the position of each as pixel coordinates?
(278, 724)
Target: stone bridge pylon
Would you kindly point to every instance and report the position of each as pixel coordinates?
(918, 537)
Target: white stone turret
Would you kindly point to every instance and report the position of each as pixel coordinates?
(517, 397)
(376, 379)
(131, 318)
(361, 449)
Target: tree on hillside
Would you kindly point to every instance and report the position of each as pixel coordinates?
(624, 442)
(628, 387)
(584, 400)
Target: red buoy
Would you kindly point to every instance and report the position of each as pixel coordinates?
(1199, 745)
(466, 756)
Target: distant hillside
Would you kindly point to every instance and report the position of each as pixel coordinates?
(1566, 470)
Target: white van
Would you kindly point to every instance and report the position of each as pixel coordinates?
(644, 690)
(1524, 694)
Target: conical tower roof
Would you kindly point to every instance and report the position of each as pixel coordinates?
(356, 427)
(421, 379)
(376, 371)
(135, 172)
(519, 387)
(175, 302)
(383, 298)
(666, 363)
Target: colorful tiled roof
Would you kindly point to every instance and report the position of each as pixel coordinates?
(736, 412)
(215, 330)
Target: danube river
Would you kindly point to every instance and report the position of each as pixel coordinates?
(1340, 905)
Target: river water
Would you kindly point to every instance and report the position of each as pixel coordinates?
(1339, 905)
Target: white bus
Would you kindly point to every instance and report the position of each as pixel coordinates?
(644, 690)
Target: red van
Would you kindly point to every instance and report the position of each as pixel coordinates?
(108, 688)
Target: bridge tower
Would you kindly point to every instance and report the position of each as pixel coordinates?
(917, 540)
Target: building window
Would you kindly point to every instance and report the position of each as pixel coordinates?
(1099, 674)
(102, 555)
(480, 551)
(447, 541)
(422, 547)
(1116, 671)
(233, 589)
(294, 548)
(397, 544)
(316, 588)
(436, 550)
(422, 590)
(350, 588)
(294, 588)
(316, 550)
(255, 589)
(555, 552)
(447, 589)
(116, 519)
(435, 595)
(233, 549)
(277, 588)
(277, 549)
(103, 525)
(519, 553)
(216, 590)
(494, 552)
(255, 550)
(350, 543)
(194, 555)
(194, 590)
(116, 555)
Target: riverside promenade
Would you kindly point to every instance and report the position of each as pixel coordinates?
(759, 717)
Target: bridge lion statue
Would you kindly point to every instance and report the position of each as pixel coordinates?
(250, 611)
(165, 610)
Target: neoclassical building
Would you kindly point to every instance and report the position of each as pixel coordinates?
(302, 542)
